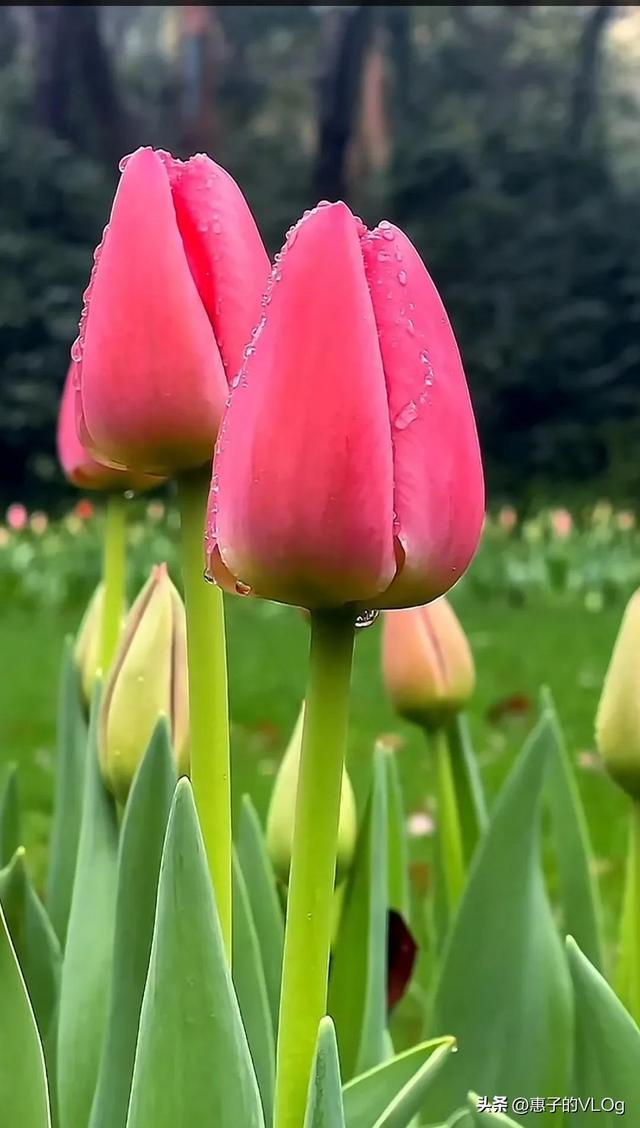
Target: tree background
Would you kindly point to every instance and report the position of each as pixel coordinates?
(504, 139)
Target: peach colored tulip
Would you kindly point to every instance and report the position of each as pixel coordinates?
(172, 299)
(347, 470)
(427, 662)
(78, 464)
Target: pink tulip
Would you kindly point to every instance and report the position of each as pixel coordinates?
(76, 461)
(173, 295)
(17, 517)
(347, 470)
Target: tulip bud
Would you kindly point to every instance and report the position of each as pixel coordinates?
(173, 296)
(281, 817)
(148, 680)
(347, 471)
(618, 717)
(87, 648)
(427, 662)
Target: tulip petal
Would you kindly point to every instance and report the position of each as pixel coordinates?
(228, 261)
(152, 381)
(302, 496)
(76, 461)
(438, 483)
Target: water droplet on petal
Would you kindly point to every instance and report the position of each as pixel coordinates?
(402, 277)
(243, 589)
(208, 577)
(383, 256)
(406, 416)
(411, 329)
(366, 619)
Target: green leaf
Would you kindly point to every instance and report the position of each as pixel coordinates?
(578, 894)
(264, 901)
(251, 989)
(86, 967)
(504, 988)
(398, 861)
(324, 1103)
(67, 810)
(472, 805)
(358, 985)
(23, 1079)
(607, 1044)
(10, 831)
(142, 839)
(485, 1119)
(35, 944)
(406, 1077)
(193, 1065)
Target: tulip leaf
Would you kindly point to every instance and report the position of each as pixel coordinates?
(70, 767)
(86, 966)
(504, 987)
(35, 944)
(398, 861)
(607, 1044)
(251, 989)
(483, 1118)
(408, 1075)
(470, 797)
(193, 1065)
(578, 894)
(23, 1079)
(358, 985)
(324, 1103)
(10, 832)
(142, 838)
(264, 901)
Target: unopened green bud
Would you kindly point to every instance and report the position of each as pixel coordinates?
(148, 680)
(282, 809)
(87, 648)
(618, 717)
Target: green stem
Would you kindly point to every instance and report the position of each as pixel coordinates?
(313, 864)
(208, 697)
(629, 960)
(450, 830)
(114, 575)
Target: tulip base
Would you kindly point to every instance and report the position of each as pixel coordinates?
(114, 575)
(449, 828)
(310, 906)
(208, 697)
(629, 961)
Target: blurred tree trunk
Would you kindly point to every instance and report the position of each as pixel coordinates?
(585, 92)
(340, 90)
(76, 92)
(202, 51)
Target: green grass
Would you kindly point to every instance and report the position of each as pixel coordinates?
(516, 649)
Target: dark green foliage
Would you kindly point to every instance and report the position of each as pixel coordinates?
(507, 131)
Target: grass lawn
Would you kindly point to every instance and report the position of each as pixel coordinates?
(516, 649)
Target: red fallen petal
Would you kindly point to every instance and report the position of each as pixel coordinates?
(152, 381)
(226, 255)
(438, 481)
(76, 461)
(303, 473)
